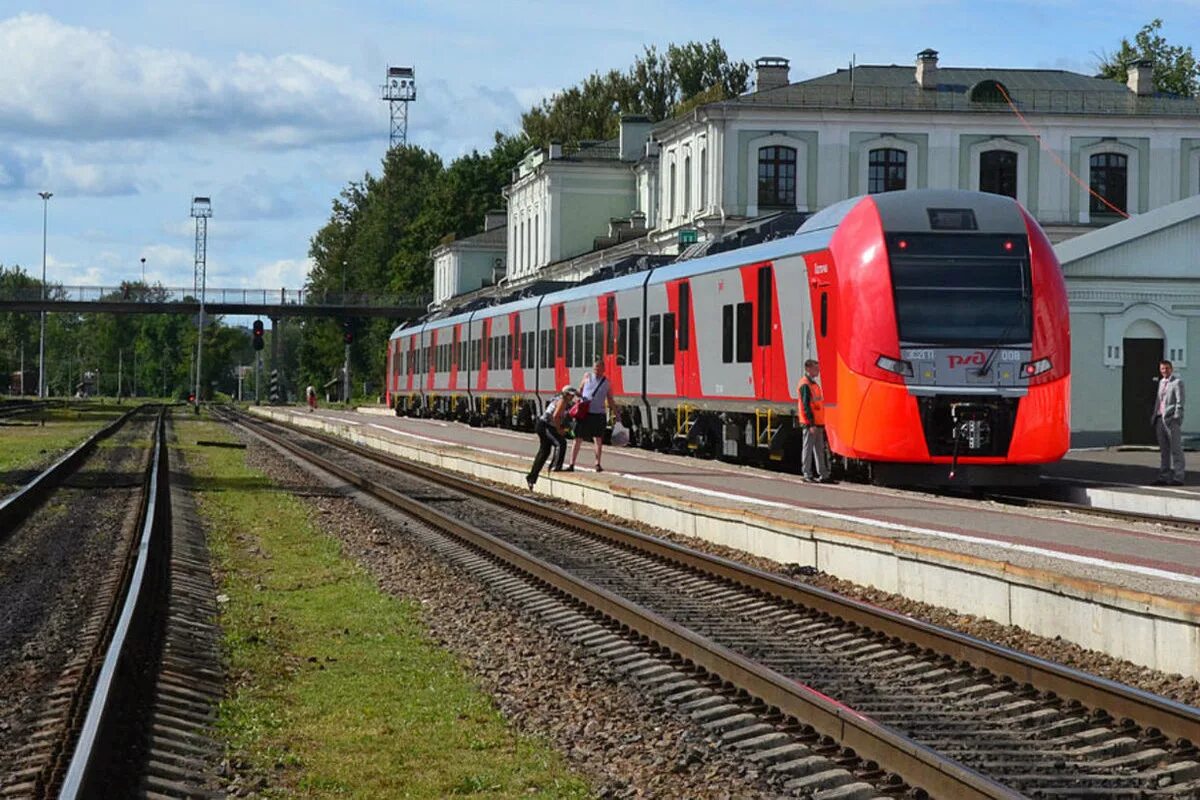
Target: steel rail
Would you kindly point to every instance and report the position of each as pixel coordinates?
(18, 505)
(156, 499)
(917, 764)
(1174, 719)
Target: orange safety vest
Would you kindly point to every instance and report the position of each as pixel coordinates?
(815, 402)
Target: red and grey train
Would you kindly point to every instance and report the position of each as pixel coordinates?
(939, 319)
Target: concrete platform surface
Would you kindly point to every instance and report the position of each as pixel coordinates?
(1132, 590)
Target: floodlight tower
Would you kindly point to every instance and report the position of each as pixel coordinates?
(399, 90)
(201, 211)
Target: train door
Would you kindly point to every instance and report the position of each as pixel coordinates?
(679, 301)
(1139, 389)
(770, 365)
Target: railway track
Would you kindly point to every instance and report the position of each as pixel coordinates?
(126, 614)
(808, 684)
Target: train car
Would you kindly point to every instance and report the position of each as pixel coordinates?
(939, 319)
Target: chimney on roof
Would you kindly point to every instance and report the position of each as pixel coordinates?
(635, 131)
(494, 218)
(771, 72)
(927, 69)
(1141, 78)
(555, 150)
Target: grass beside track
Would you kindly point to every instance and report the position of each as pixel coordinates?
(338, 690)
(34, 440)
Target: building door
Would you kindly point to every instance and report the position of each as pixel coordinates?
(1139, 388)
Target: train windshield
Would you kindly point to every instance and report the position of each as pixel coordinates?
(961, 290)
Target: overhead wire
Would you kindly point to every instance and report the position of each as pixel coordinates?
(1042, 145)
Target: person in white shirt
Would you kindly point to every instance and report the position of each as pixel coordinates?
(1168, 426)
(595, 390)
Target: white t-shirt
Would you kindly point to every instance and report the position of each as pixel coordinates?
(595, 391)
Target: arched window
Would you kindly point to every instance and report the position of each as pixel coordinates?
(887, 170)
(703, 179)
(998, 172)
(671, 195)
(687, 186)
(988, 91)
(777, 176)
(1110, 180)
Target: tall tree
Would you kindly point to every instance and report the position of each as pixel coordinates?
(655, 85)
(1175, 67)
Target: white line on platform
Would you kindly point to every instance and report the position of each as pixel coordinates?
(398, 432)
(878, 523)
(939, 534)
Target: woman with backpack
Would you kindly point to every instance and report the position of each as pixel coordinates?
(549, 427)
(594, 391)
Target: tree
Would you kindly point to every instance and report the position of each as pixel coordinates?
(656, 86)
(1175, 68)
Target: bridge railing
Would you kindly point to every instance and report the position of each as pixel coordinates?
(132, 293)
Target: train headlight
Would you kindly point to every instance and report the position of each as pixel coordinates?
(895, 365)
(1033, 368)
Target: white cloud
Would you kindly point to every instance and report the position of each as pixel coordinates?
(77, 83)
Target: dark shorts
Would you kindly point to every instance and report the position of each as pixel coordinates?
(591, 426)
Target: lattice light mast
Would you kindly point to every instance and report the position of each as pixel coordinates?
(201, 211)
(399, 90)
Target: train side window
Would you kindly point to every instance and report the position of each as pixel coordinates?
(745, 332)
(824, 313)
(622, 341)
(589, 343)
(653, 340)
(561, 327)
(685, 315)
(635, 343)
(570, 352)
(552, 337)
(668, 340)
(579, 345)
(765, 305)
(601, 347)
(727, 333)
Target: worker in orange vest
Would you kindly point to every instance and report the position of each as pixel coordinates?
(810, 410)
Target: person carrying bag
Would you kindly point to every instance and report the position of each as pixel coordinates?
(591, 413)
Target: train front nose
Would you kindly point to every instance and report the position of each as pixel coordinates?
(968, 426)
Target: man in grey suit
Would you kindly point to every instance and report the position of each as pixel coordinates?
(1168, 425)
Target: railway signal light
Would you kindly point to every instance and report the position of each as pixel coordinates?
(347, 333)
(258, 334)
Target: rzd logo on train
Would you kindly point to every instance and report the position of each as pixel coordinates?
(975, 359)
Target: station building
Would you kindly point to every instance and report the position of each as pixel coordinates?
(1080, 152)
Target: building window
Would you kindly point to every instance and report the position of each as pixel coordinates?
(703, 179)
(777, 176)
(1110, 180)
(671, 197)
(989, 91)
(687, 186)
(998, 172)
(887, 170)
(537, 241)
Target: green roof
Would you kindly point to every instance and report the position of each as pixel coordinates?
(1043, 91)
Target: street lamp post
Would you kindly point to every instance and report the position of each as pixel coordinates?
(42, 337)
(346, 360)
(143, 271)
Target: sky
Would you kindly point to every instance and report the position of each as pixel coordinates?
(125, 111)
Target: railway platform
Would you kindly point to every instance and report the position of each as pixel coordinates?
(1127, 588)
(1122, 479)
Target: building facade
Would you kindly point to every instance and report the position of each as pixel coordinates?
(1077, 151)
(1134, 290)
(468, 264)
